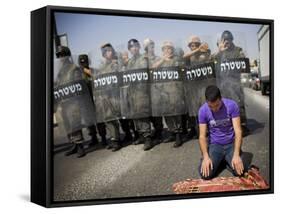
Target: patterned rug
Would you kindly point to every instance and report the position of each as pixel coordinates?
(251, 180)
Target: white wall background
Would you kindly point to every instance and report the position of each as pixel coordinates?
(15, 106)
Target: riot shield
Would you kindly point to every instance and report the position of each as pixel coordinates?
(196, 79)
(135, 94)
(228, 74)
(77, 107)
(106, 95)
(167, 92)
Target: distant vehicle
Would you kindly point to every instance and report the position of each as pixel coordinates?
(264, 64)
(254, 82)
(245, 79)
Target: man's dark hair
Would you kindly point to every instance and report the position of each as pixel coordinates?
(212, 93)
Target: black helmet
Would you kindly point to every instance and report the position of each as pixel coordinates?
(63, 51)
(133, 42)
(227, 35)
(106, 47)
(83, 59)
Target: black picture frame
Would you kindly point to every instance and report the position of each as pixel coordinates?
(42, 102)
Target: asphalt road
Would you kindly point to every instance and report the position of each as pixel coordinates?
(133, 172)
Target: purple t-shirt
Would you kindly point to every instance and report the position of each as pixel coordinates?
(219, 123)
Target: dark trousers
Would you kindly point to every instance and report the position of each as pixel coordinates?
(100, 127)
(174, 123)
(157, 124)
(189, 122)
(127, 125)
(143, 127)
(218, 154)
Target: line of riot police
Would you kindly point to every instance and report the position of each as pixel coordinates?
(137, 95)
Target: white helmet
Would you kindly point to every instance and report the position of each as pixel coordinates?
(168, 44)
(147, 42)
(193, 39)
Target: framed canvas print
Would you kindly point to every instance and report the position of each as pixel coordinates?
(134, 106)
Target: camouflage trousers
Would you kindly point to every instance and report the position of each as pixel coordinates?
(76, 137)
(143, 127)
(174, 123)
(113, 130)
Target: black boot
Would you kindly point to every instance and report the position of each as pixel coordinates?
(148, 144)
(128, 137)
(136, 136)
(170, 138)
(140, 140)
(109, 145)
(94, 141)
(179, 141)
(116, 145)
(80, 150)
(157, 138)
(191, 134)
(104, 141)
(72, 150)
(184, 119)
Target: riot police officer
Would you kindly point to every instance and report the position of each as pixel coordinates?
(87, 72)
(107, 66)
(228, 50)
(149, 45)
(127, 125)
(138, 61)
(174, 123)
(199, 53)
(70, 110)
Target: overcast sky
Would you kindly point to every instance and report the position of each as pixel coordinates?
(87, 32)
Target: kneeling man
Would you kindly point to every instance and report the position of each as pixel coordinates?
(220, 134)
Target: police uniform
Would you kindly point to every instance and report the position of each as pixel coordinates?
(232, 53)
(143, 126)
(152, 58)
(70, 111)
(174, 123)
(199, 57)
(84, 64)
(109, 66)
